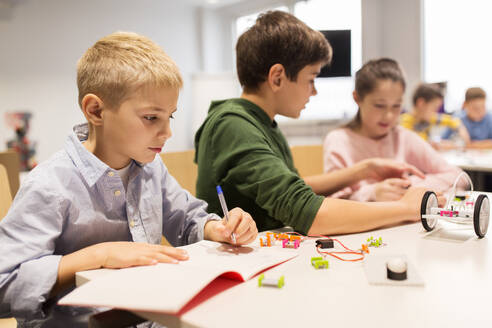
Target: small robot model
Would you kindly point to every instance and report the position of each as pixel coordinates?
(465, 207)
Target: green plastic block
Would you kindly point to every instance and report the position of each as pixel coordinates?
(281, 282)
(314, 259)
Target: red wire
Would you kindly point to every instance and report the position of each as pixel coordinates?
(348, 250)
(342, 259)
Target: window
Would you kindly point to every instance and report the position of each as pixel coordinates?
(334, 99)
(457, 49)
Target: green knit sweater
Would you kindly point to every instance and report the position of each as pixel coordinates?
(239, 148)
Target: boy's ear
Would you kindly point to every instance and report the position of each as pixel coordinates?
(356, 97)
(276, 76)
(92, 107)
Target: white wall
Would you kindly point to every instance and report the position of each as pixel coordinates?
(215, 35)
(208, 87)
(390, 28)
(393, 28)
(42, 40)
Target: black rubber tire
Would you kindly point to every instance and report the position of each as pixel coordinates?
(476, 216)
(423, 208)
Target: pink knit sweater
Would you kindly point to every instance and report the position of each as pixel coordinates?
(344, 148)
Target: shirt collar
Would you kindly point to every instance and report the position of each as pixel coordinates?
(90, 167)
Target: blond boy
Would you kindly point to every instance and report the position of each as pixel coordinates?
(106, 199)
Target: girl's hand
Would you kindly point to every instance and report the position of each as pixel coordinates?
(390, 189)
(126, 254)
(240, 223)
(384, 168)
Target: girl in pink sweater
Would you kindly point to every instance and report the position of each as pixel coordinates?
(374, 132)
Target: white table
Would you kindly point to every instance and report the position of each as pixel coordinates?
(455, 265)
(479, 160)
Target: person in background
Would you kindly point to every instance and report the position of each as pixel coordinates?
(375, 132)
(476, 119)
(425, 120)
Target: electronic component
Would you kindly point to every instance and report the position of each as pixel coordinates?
(290, 244)
(396, 269)
(375, 242)
(325, 243)
(266, 241)
(271, 282)
(319, 263)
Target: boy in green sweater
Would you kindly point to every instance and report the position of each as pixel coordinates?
(240, 147)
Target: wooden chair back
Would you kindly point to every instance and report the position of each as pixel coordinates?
(10, 159)
(181, 166)
(5, 195)
(308, 159)
(5, 201)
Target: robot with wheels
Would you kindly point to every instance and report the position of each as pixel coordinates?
(465, 207)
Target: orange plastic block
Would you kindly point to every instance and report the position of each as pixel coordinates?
(266, 241)
(282, 236)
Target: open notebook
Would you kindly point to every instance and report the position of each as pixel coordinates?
(167, 288)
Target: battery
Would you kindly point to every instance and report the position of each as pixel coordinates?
(325, 243)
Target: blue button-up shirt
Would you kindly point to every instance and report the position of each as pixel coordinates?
(74, 200)
(480, 130)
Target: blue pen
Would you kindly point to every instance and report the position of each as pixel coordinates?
(225, 210)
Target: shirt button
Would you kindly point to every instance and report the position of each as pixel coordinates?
(110, 173)
(117, 193)
(132, 224)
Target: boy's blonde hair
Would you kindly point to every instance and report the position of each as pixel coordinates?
(474, 93)
(119, 64)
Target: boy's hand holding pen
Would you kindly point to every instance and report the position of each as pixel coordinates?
(237, 227)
